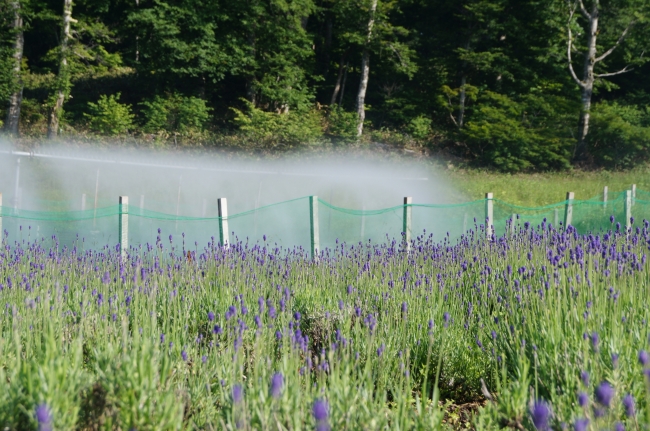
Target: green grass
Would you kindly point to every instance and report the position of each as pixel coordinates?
(547, 188)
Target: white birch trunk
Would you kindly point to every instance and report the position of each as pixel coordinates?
(591, 58)
(53, 125)
(365, 71)
(16, 98)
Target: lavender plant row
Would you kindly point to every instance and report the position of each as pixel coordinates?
(547, 328)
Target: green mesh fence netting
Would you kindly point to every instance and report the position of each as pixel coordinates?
(287, 224)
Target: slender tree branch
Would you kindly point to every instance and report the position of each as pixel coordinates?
(569, 46)
(618, 42)
(604, 75)
(583, 10)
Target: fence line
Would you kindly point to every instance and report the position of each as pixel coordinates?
(628, 198)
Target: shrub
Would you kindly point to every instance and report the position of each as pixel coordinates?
(619, 136)
(419, 127)
(175, 114)
(270, 129)
(108, 116)
(517, 135)
(342, 124)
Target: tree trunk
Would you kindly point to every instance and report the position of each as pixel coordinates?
(16, 98)
(588, 79)
(345, 79)
(339, 79)
(461, 101)
(63, 78)
(365, 71)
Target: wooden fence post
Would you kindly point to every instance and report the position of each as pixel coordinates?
(223, 222)
(123, 225)
(489, 215)
(313, 227)
(633, 194)
(605, 190)
(628, 209)
(568, 209)
(406, 221)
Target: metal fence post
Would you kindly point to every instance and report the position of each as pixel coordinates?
(223, 222)
(123, 225)
(489, 214)
(313, 226)
(568, 209)
(406, 221)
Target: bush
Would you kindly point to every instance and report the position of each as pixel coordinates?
(270, 129)
(108, 116)
(342, 124)
(518, 135)
(419, 127)
(175, 114)
(619, 136)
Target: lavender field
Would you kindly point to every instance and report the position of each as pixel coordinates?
(542, 329)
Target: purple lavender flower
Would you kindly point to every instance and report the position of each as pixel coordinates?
(619, 426)
(44, 418)
(445, 318)
(277, 381)
(615, 360)
(204, 359)
(541, 414)
(237, 394)
(628, 403)
(297, 316)
(320, 410)
(210, 316)
(595, 340)
(644, 358)
(581, 424)
(584, 376)
(583, 399)
(604, 394)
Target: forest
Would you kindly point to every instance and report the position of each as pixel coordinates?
(512, 85)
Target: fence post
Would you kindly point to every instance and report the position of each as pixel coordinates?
(489, 214)
(512, 224)
(313, 226)
(17, 185)
(633, 194)
(123, 225)
(628, 208)
(568, 209)
(406, 221)
(605, 197)
(83, 202)
(96, 198)
(223, 222)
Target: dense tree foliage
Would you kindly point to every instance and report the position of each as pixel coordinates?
(512, 84)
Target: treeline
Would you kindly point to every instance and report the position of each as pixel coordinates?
(511, 84)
